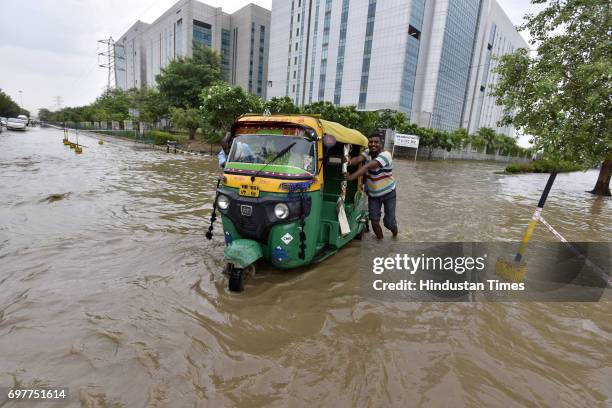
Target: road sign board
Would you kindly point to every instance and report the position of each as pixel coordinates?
(407, 140)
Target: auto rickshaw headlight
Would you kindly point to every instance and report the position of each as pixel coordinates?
(223, 202)
(281, 211)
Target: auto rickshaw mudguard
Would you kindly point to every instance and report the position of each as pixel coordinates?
(242, 252)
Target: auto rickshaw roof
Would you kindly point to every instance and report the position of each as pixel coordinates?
(323, 127)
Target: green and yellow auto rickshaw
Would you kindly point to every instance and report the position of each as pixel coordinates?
(283, 197)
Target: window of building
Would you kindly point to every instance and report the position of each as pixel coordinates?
(324, 47)
(367, 54)
(178, 37)
(294, 60)
(297, 32)
(341, 49)
(225, 53)
(298, 17)
(294, 74)
(296, 45)
(202, 33)
(414, 32)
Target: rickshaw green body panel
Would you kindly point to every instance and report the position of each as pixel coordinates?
(282, 247)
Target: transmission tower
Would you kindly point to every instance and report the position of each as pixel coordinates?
(106, 59)
(58, 102)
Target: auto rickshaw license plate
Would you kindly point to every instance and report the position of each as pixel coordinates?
(249, 191)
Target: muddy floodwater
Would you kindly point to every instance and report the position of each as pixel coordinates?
(108, 287)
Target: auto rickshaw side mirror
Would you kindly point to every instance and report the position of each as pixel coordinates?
(329, 141)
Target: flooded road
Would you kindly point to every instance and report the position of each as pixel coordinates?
(109, 287)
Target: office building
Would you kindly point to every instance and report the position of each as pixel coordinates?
(240, 38)
(431, 59)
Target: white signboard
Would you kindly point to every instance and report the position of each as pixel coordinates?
(133, 112)
(407, 140)
(411, 141)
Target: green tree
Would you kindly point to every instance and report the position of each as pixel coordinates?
(222, 104)
(189, 119)
(281, 105)
(562, 96)
(390, 119)
(44, 114)
(181, 82)
(488, 136)
(113, 104)
(459, 138)
(149, 102)
(8, 107)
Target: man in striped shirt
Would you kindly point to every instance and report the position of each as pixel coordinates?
(380, 184)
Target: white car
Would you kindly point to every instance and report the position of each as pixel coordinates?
(2, 122)
(15, 124)
(24, 118)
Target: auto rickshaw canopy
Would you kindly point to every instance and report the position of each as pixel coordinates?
(323, 127)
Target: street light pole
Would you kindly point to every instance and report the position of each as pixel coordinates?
(21, 99)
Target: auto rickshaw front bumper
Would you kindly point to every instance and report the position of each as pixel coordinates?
(242, 252)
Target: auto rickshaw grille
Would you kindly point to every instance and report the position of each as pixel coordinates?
(247, 223)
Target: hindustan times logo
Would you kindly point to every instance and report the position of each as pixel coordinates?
(413, 264)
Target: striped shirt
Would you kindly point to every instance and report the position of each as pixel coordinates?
(379, 181)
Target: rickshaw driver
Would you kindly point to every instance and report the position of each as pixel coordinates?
(378, 170)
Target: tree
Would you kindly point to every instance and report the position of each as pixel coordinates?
(149, 102)
(187, 118)
(281, 105)
(390, 119)
(8, 107)
(113, 104)
(44, 114)
(222, 104)
(181, 82)
(563, 95)
(488, 136)
(459, 138)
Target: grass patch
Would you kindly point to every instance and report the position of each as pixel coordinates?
(541, 166)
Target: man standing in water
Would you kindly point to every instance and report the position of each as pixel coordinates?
(380, 184)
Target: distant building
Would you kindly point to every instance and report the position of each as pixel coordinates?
(241, 39)
(432, 60)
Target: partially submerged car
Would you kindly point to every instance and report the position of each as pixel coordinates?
(15, 124)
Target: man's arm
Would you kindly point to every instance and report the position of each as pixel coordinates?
(374, 164)
(356, 160)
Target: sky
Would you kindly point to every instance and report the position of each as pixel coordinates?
(49, 48)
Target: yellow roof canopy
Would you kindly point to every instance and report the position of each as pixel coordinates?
(341, 133)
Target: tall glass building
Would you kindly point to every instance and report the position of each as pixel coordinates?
(240, 38)
(432, 59)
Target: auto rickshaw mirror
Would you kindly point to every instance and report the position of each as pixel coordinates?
(329, 141)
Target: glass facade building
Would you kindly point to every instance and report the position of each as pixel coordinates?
(455, 63)
(420, 57)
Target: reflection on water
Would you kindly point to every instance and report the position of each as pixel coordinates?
(108, 287)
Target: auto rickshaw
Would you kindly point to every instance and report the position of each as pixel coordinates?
(283, 196)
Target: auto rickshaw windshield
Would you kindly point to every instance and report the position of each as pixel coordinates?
(261, 149)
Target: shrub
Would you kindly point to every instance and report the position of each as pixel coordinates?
(542, 166)
(159, 137)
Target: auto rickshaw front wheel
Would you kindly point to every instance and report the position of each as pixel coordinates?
(236, 279)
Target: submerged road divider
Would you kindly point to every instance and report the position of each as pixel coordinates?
(156, 147)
